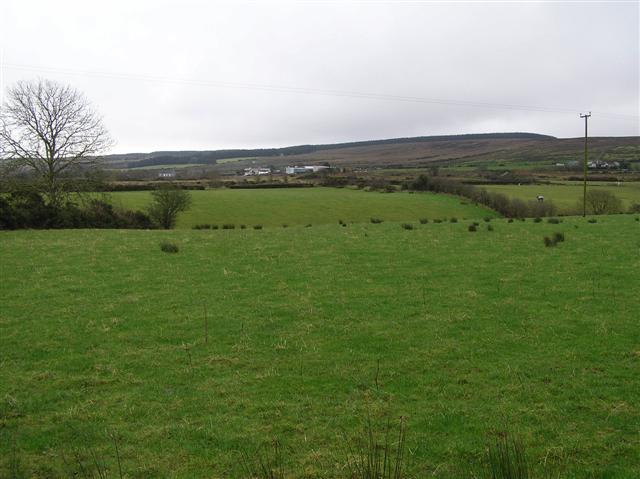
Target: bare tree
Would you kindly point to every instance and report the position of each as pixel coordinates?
(50, 129)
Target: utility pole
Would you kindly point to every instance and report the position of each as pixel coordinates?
(584, 193)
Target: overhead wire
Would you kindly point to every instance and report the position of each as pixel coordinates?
(308, 91)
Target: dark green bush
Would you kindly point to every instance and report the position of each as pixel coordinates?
(489, 228)
(424, 221)
(407, 226)
(554, 221)
(558, 237)
(473, 227)
(228, 226)
(548, 241)
(453, 220)
(257, 227)
(537, 220)
(592, 220)
(376, 221)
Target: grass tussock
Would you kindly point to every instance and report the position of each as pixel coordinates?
(169, 247)
(377, 455)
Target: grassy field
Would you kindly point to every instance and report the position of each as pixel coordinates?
(302, 206)
(468, 335)
(567, 195)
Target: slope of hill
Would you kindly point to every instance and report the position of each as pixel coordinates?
(469, 150)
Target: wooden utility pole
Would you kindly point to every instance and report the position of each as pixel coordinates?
(584, 192)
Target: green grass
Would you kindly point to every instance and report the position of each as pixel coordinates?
(566, 196)
(467, 335)
(302, 206)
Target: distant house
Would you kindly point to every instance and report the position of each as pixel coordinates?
(296, 170)
(167, 174)
(257, 171)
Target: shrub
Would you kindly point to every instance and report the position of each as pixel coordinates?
(487, 219)
(424, 221)
(554, 221)
(489, 228)
(592, 220)
(166, 203)
(243, 227)
(228, 226)
(407, 226)
(537, 220)
(204, 226)
(169, 247)
(214, 227)
(558, 237)
(602, 202)
(510, 220)
(257, 227)
(548, 241)
(285, 225)
(473, 227)
(634, 208)
(308, 225)
(376, 221)
(453, 220)
(437, 221)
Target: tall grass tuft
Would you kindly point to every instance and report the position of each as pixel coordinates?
(265, 463)
(377, 456)
(506, 459)
(168, 247)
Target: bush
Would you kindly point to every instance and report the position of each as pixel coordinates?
(510, 220)
(424, 221)
(228, 226)
(592, 220)
(453, 220)
(376, 221)
(257, 227)
(487, 219)
(634, 208)
(548, 242)
(204, 226)
(558, 237)
(537, 220)
(473, 227)
(166, 203)
(243, 227)
(407, 226)
(437, 221)
(602, 202)
(285, 225)
(169, 247)
(489, 228)
(308, 225)
(554, 221)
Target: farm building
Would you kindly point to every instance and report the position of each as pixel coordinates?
(167, 174)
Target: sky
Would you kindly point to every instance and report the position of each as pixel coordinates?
(201, 75)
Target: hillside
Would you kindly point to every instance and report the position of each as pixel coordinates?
(399, 152)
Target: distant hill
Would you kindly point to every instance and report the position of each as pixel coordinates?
(156, 158)
(398, 152)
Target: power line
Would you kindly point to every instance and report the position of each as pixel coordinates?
(304, 90)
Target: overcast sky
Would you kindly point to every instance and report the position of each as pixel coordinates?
(171, 75)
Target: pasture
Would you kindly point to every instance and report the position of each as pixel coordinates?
(307, 331)
(302, 206)
(567, 195)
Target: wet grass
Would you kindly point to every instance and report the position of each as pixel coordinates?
(295, 334)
